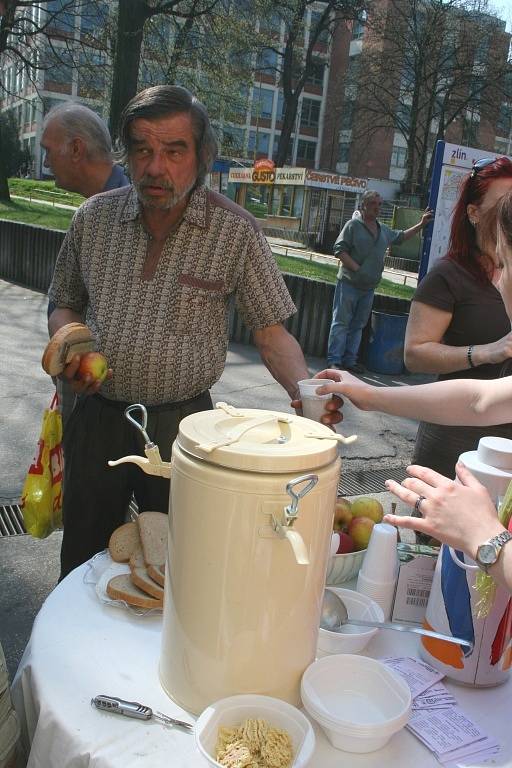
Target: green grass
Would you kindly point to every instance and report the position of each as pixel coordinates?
(59, 218)
(43, 190)
(41, 215)
(327, 272)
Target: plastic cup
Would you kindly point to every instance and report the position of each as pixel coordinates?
(380, 592)
(381, 560)
(313, 405)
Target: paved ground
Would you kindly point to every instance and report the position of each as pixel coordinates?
(29, 567)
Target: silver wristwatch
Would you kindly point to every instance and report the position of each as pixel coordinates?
(487, 553)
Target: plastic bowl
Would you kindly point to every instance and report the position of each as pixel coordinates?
(358, 702)
(341, 568)
(235, 709)
(351, 639)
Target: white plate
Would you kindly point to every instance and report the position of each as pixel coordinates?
(101, 569)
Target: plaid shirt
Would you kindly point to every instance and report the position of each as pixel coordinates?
(166, 338)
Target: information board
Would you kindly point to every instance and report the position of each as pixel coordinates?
(451, 164)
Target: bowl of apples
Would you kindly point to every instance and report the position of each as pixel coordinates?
(352, 528)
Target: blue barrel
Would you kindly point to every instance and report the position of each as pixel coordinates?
(385, 352)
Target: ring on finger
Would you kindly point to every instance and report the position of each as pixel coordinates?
(417, 504)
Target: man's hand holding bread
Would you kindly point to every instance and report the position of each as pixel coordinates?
(69, 354)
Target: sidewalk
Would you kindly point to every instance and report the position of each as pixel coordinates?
(29, 567)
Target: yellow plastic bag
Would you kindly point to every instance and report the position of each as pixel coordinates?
(41, 500)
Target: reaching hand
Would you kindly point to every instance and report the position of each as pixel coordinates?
(460, 514)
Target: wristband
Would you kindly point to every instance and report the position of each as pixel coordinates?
(470, 356)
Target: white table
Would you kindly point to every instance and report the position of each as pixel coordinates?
(80, 648)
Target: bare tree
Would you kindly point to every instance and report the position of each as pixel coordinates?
(428, 67)
(308, 31)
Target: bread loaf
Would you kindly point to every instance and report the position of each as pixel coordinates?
(122, 588)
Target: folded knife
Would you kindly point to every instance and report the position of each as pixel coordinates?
(135, 710)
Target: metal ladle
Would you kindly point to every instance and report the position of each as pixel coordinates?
(335, 615)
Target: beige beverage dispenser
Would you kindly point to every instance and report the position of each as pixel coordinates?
(250, 523)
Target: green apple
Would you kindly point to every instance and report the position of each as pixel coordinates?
(342, 514)
(365, 506)
(360, 530)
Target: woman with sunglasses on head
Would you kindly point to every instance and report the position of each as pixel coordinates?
(458, 326)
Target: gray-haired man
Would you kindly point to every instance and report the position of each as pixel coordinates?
(152, 269)
(78, 150)
(360, 247)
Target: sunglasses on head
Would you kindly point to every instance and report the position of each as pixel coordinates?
(483, 163)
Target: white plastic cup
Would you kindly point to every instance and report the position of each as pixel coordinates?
(313, 405)
(380, 563)
(381, 592)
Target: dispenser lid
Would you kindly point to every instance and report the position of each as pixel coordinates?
(256, 440)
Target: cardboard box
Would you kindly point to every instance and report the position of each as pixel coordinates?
(417, 563)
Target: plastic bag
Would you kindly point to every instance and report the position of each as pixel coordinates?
(41, 500)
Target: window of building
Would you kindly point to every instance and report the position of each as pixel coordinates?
(258, 143)
(310, 113)
(324, 35)
(280, 106)
(262, 102)
(358, 27)
(271, 23)
(306, 151)
(60, 17)
(504, 121)
(266, 61)
(93, 17)
(354, 66)
(91, 75)
(399, 156)
(316, 73)
(403, 117)
(233, 140)
(59, 67)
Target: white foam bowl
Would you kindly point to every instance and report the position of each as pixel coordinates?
(351, 639)
(358, 702)
(235, 709)
(341, 568)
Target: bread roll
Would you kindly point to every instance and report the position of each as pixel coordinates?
(71, 339)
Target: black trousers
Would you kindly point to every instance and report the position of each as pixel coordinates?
(97, 496)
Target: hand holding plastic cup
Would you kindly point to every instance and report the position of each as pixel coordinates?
(313, 405)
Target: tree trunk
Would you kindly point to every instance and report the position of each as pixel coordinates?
(4, 185)
(132, 16)
(290, 114)
(179, 48)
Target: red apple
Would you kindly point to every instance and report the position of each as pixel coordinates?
(365, 506)
(360, 529)
(346, 544)
(342, 513)
(94, 364)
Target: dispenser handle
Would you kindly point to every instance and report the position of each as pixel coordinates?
(291, 510)
(142, 424)
(235, 434)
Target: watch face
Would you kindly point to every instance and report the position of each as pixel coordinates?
(487, 554)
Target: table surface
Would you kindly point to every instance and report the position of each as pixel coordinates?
(80, 647)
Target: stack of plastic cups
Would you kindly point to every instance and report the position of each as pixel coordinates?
(379, 571)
